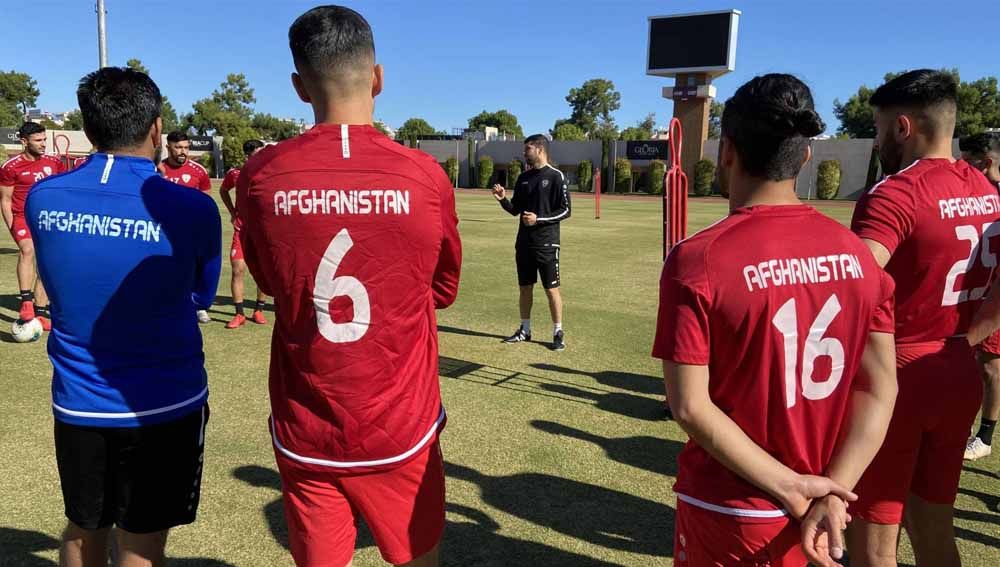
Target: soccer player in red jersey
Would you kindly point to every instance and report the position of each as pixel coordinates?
(982, 151)
(239, 265)
(17, 175)
(777, 351)
(932, 223)
(179, 168)
(356, 238)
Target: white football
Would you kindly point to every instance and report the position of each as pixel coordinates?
(26, 331)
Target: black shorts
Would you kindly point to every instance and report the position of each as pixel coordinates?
(535, 262)
(142, 479)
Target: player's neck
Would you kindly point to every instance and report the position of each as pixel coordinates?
(540, 165)
(30, 157)
(764, 192)
(354, 111)
(925, 148)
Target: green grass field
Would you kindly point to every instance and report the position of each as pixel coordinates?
(554, 459)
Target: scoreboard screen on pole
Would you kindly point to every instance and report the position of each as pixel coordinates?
(692, 43)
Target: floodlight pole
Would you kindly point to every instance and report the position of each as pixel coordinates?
(102, 36)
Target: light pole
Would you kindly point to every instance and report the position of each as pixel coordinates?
(102, 36)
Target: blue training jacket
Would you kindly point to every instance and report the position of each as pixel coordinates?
(126, 257)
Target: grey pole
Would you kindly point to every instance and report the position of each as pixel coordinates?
(102, 36)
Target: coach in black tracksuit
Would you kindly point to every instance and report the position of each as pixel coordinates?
(541, 199)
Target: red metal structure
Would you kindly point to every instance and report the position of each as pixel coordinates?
(675, 196)
(597, 193)
(64, 153)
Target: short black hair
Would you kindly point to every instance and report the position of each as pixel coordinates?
(177, 136)
(931, 95)
(539, 141)
(331, 40)
(250, 146)
(769, 121)
(28, 129)
(118, 106)
(980, 144)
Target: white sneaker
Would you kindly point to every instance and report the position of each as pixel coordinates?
(976, 449)
(203, 316)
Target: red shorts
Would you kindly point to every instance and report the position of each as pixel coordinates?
(940, 389)
(992, 344)
(236, 249)
(19, 228)
(403, 508)
(706, 538)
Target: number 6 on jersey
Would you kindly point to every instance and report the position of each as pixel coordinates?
(786, 320)
(329, 285)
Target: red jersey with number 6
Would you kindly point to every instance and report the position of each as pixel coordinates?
(356, 238)
(938, 219)
(780, 317)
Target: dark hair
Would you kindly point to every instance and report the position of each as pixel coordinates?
(118, 106)
(931, 95)
(769, 122)
(328, 40)
(28, 129)
(177, 136)
(539, 141)
(250, 146)
(920, 89)
(980, 144)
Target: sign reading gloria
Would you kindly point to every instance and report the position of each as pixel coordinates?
(649, 149)
(9, 136)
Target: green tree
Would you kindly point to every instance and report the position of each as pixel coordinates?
(592, 102)
(380, 126)
(501, 120)
(227, 113)
(18, 89)
(274, 129)
(643, 129)
(74, 121)
(978, 108)
(715, 119)
(415, 127)
(606, 130)
(167, 112)
(568, 132)
(48, 124)
(10, 115)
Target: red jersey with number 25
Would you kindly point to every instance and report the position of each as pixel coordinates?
(21, 173)
(938, 219)
(356, 238)
(780, 317)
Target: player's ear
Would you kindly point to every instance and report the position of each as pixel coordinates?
(727, 153)
(156, 132)
(377, 79)
(300, 88)
(904, 127)
(809, 155)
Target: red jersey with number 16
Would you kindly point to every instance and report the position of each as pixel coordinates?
(780, 317)
(356, 238)
(938, 219)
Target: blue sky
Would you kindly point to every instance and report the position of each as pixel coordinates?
(447, 60)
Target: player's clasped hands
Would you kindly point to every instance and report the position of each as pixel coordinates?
(529, 219)
(821, 505)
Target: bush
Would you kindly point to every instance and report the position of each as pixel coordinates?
(828, 179)
(451, 168)
(585, 175)
(208, 163)
(657, 169)
(514, 170)
(704, 176)
(623, 175)
(485, 172)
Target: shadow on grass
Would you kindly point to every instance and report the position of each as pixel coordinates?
(982, 472)
(18, 548)
(6, 251)
(224, 305)
(630, 405)
(468, 332)
(648, 453)
(589, 513)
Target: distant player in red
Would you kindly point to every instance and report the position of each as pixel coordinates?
(182, 170)
(777, 352)
(17, 175)
(982, 151)
(933, 224)
(77, 162)
(239, 266)
(179, 168)
(356, 238)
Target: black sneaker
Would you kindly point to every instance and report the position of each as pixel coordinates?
(520, 336)
(557, 341)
